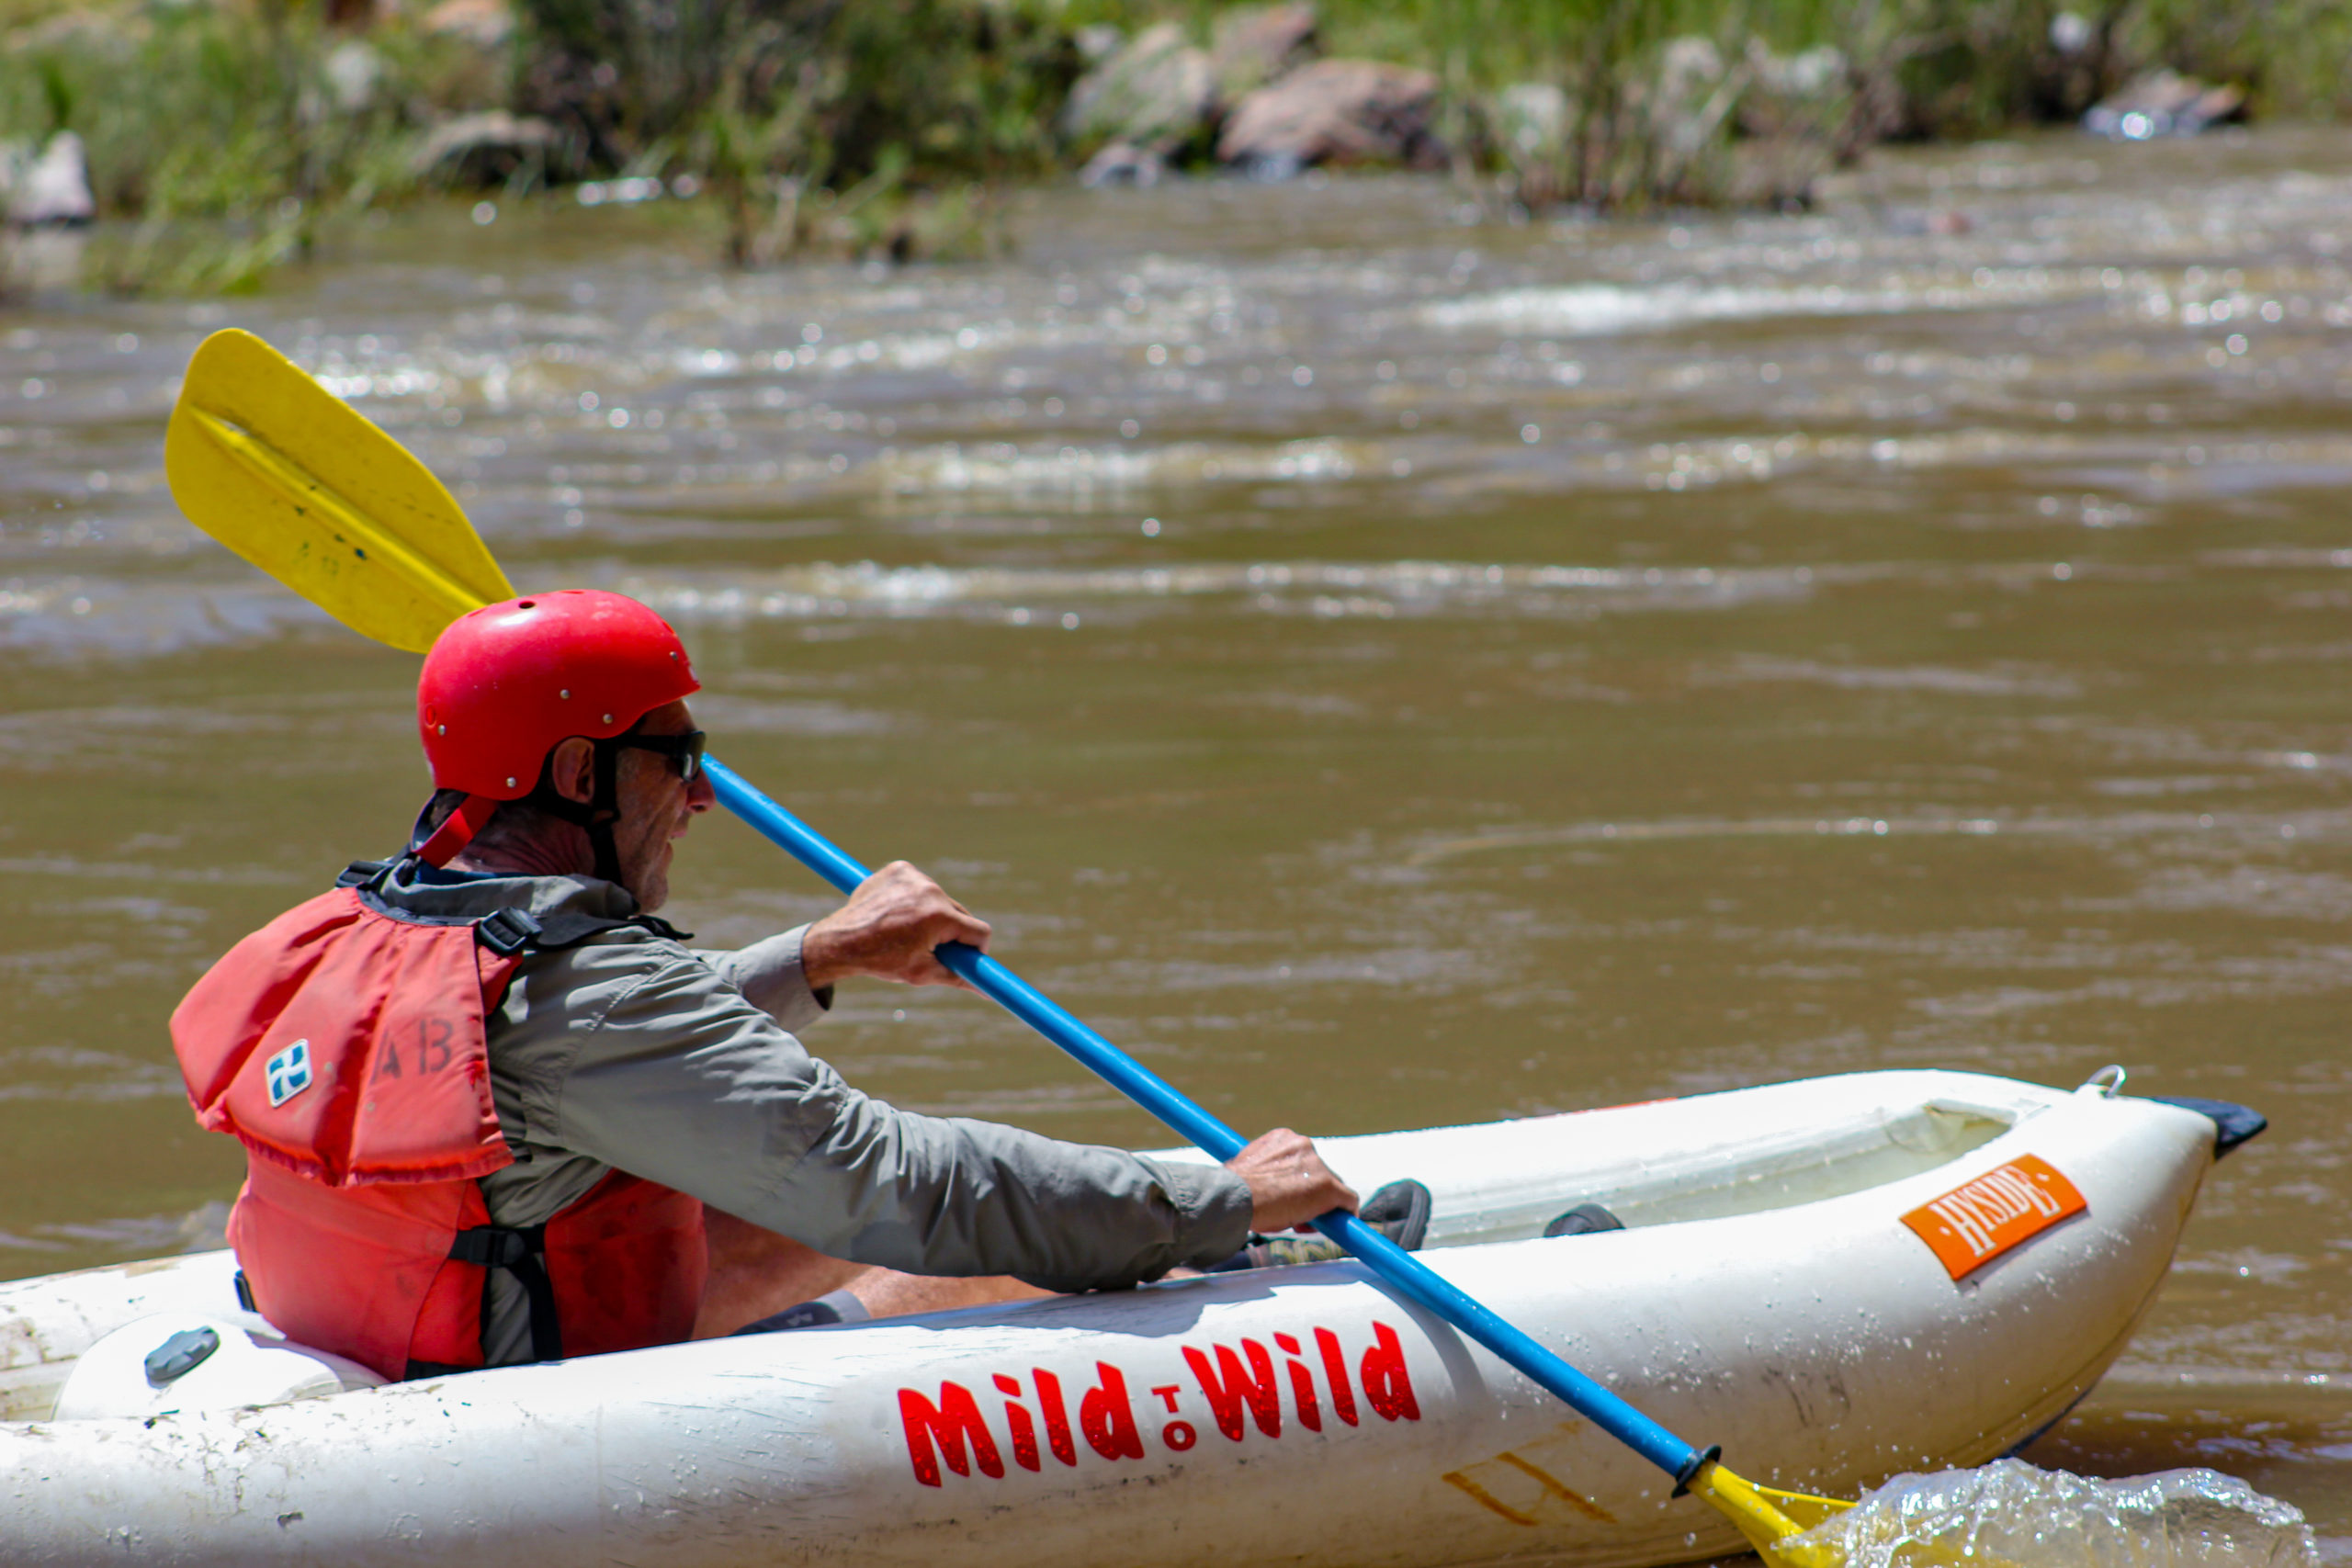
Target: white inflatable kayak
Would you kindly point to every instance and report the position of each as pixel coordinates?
(1834, 1280)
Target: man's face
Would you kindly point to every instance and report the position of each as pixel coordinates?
(656, 807)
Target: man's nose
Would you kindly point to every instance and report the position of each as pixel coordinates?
(700, 795)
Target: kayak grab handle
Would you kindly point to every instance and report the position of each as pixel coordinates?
(1408, 1273)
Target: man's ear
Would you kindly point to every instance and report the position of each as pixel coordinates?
(572, 768)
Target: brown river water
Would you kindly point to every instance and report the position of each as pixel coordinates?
(1384, 667)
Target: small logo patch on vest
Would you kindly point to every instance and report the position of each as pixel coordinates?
(288, 1072)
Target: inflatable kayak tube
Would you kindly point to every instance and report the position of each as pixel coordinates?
(1835, 1279)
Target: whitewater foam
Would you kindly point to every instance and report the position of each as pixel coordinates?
(2011, 1514)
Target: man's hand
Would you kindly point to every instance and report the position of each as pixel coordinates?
(887, 930)
(1289, 1184)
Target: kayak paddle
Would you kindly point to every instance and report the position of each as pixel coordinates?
(297, 483)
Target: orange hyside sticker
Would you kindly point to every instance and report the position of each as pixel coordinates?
(1968, 1226)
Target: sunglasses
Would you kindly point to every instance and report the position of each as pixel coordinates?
(684, 751)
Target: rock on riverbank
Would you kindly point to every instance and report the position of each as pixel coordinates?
(48, 187)
(2163, 103)
(1335, 111)
(1258, 98)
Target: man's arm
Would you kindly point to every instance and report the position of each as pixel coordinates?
(887, 931)
(651, 1062)
(773, 976)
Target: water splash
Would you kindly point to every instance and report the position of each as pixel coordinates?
(2011, 1514)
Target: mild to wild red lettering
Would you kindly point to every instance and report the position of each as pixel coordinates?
(1242, 1387)
(1335, 1372)
(1049, 1401)
(1108, 1418)
(1302, 1384)
(1024, 1425)
(1387, 1388)
(1227, 1387)
(945, 1431)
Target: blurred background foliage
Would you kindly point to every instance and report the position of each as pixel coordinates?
(222, 135)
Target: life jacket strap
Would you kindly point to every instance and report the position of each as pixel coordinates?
(521, 1252)
(508, 932)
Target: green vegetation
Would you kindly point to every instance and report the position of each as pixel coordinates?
(223, 136)
(2289, 54)
(856, 127)
(1967, 66)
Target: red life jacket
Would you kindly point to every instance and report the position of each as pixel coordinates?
(343, 1044)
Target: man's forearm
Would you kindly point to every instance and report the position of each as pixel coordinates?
(947, 1196)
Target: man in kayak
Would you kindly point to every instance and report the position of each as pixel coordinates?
(495, 1112)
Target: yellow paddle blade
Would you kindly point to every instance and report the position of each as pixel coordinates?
(1770, 1517)
(299, 483)
(1803, 1509)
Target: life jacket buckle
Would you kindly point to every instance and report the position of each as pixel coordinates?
(496, 1247)
(507, 931)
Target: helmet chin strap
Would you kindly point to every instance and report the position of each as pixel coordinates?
(597, 815)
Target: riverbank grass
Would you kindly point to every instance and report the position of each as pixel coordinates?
(222, 135)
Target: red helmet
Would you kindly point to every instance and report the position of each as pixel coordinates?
(504, 684)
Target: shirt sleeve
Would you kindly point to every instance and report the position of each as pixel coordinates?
(668, 1071)
(770, 976)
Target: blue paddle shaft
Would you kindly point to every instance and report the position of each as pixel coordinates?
(1147, 1088)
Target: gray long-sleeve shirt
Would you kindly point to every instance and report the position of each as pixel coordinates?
(632, 1052)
